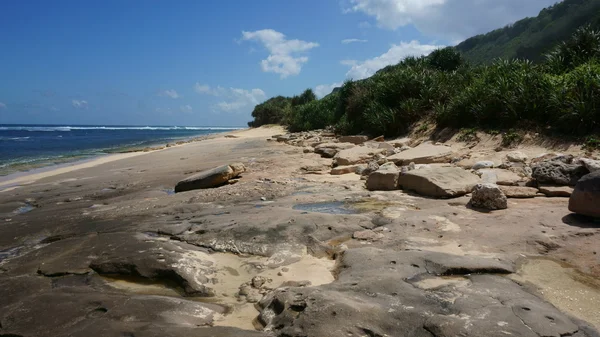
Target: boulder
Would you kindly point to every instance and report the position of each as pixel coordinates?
(425, 153)
(357, 140)
(556, 191)
(439, 182)
(483, 165)
(388, 149)
(355, 155)
(489, 177)
(378, 139)
(341, 170)
(488, 196)
(210, 178)
(558, 171)
(365, 170)
(329, 150)
(384, 179)
(590, 164)
(585, 199)
(519, 192)
(516, 157)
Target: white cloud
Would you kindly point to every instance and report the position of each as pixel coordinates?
(450, 19)
(164, 110)
(169, 93)
(326, 89)
(395, 54)
(283, 59)
(239, 99)
(347, 41)
(53, 108)
(364, 25)
(204, 89)
(2, 105)
(79, 104)
(186, 108)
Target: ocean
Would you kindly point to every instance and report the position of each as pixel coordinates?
(25, 147)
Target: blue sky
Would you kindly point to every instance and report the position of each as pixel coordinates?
(209, 62)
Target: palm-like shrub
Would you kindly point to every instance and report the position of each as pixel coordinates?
(582, 47)
(576, 101)
(445, 59)
(500, 96)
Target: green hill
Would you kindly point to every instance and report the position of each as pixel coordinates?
(531, 38)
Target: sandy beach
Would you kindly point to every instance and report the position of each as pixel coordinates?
(106, 248)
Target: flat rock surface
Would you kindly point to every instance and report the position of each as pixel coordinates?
(425, 153)
(355, 155)
(519, 191)
(439, 182)
(556, 191)
(504, 177)
(111, 250)
(419, 293)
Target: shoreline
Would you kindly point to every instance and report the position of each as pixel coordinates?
(280, 229)
(13, 180)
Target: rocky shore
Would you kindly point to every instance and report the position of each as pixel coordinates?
(308, 234)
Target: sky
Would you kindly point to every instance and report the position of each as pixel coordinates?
(208, 63)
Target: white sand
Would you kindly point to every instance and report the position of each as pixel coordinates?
(18, 179)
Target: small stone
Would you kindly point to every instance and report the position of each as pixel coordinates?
(285, 269)
(263, 198)
(258, 282)
(516, 157)
(488, 196)
(483, 165)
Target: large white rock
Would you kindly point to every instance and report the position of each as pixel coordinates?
(488, 196)
(439, 182)
(384, 179)
(355, 155)
(516, 157)
(483, 165)
(590, 164)
(425, 153)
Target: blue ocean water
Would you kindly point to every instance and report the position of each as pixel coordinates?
(23, 147)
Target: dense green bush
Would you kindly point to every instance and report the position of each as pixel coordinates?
(273, 111)
(576, 104)
(559, 95)
(500, 96)
(315, 114)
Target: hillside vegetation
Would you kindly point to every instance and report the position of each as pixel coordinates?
(531, 38)
(560, 95)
